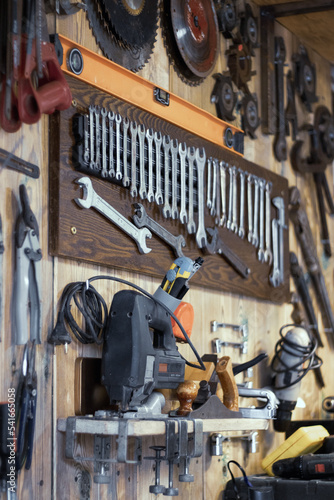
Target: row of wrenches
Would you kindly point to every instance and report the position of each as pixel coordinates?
(169, 173)
(227, 190)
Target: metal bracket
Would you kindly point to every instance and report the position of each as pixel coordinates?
(217, 440)
(217, 344)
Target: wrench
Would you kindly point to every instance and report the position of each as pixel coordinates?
(166, 211)
(208, 188)
(91, 136)
(250, 207)
(278, 202)
(201, 238)
(86, 142)
(217, 245)
(118, 120)
(255, 240)
(260, 252)
(268, 257)
(126, 178)
(158, 193)
(222, 167)
(142, 183)
(183, 154)
(149, 136)
(97, 137)
(214, 188)
(275, 277)
(191, 226)
(111, 117)
(241, 230)
(174, 151)
(104, 171)
(133, 130)
(230, 199)
(280, 145)
(234, 225)
(141, 219)
(92, 199)
(218, 193)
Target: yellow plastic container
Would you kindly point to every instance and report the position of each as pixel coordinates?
(305, 440)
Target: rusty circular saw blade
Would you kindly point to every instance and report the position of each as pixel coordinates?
(133, 22)
(132, 58)
(191, 36)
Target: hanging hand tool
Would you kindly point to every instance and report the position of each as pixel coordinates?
(9, 160)
(92, 199)
(290, 110)
(280, 147)
(305, 78)
(304, 236)
(216, 245)
(321, 135)
(27, 294)
(2, 249)
(26, 408)
(141, 219)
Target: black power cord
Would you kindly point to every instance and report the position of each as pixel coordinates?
(94, 310)
(307, 359)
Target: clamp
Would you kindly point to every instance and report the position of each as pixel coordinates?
(28, 274)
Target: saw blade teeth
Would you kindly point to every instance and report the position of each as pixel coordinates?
(172, 51)
(132, 58)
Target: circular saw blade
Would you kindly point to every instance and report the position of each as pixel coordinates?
(132, 58)
(133, 22)
(191, 36)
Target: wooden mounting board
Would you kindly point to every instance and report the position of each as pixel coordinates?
(96, 240)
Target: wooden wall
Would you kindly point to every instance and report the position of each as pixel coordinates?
(51, 475)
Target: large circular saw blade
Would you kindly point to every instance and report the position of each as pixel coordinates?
(133, 22)
(191, 34)
(131, 57)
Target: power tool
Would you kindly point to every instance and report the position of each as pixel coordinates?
(139, 349)
(311, 466)
(294, 357)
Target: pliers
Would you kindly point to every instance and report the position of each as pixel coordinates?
(28, 274)
(26, 398)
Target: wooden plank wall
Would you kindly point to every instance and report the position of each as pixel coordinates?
(51, 475)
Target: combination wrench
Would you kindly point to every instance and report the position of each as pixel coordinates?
(222, 168)
(149, 137)
(208, 187)
(214, 188)
(104, 171)
(92, 199)
(255, 239)
(133, 130)
(275, 277)
(230, 199)
(97, 138)
(260, 252)
(250, 207)
(142, 180)
(126, 178)
(111, 167)
(118, 120)
(278, 202)
(241, 230)
(166, 211)
(141, 219)
(86, 139)
(183, 155)
(201, 238)
(234, 224)
(158, 192)
(268, 257)
(174, 151)
(191, 226)
(91, 136)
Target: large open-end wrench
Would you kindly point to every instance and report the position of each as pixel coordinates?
(183, 155)
(92, 199)
(217, 245)
(201, 238)
(141, 219)
(158, 192)
(191, 226)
